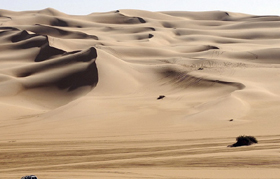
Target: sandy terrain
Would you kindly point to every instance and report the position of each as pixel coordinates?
(78, 94)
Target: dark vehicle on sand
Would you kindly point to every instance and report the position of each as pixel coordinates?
(29, 177)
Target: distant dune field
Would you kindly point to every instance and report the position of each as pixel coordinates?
(139, 94)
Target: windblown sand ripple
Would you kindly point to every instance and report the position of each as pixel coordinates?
(79, 94)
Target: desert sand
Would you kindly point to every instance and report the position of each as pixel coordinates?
(78, 94)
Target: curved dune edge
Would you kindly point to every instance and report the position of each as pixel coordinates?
(79, 94)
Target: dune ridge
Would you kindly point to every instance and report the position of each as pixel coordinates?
(79, 94)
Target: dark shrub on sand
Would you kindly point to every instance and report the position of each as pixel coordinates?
(244, 141)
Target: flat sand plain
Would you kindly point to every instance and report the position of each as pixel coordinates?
(78, 94)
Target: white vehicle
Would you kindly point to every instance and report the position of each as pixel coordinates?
(29, 177)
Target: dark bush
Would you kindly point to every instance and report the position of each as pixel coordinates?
(244, 141)
(161, 97)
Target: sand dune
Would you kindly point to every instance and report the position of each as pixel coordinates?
(79, 94)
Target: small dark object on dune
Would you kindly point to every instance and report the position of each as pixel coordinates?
(231, 120)
(200, 68)
(29, 177)
(161, 97)
(244, 141)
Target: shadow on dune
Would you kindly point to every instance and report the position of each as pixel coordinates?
(59, 22)
(57, 32)
(46, 52)
(22, 35)
(116, 18)
(69, 71)
(51, 66)
(49, 76)
(185, 80)
(88, 77)
(24, 40)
